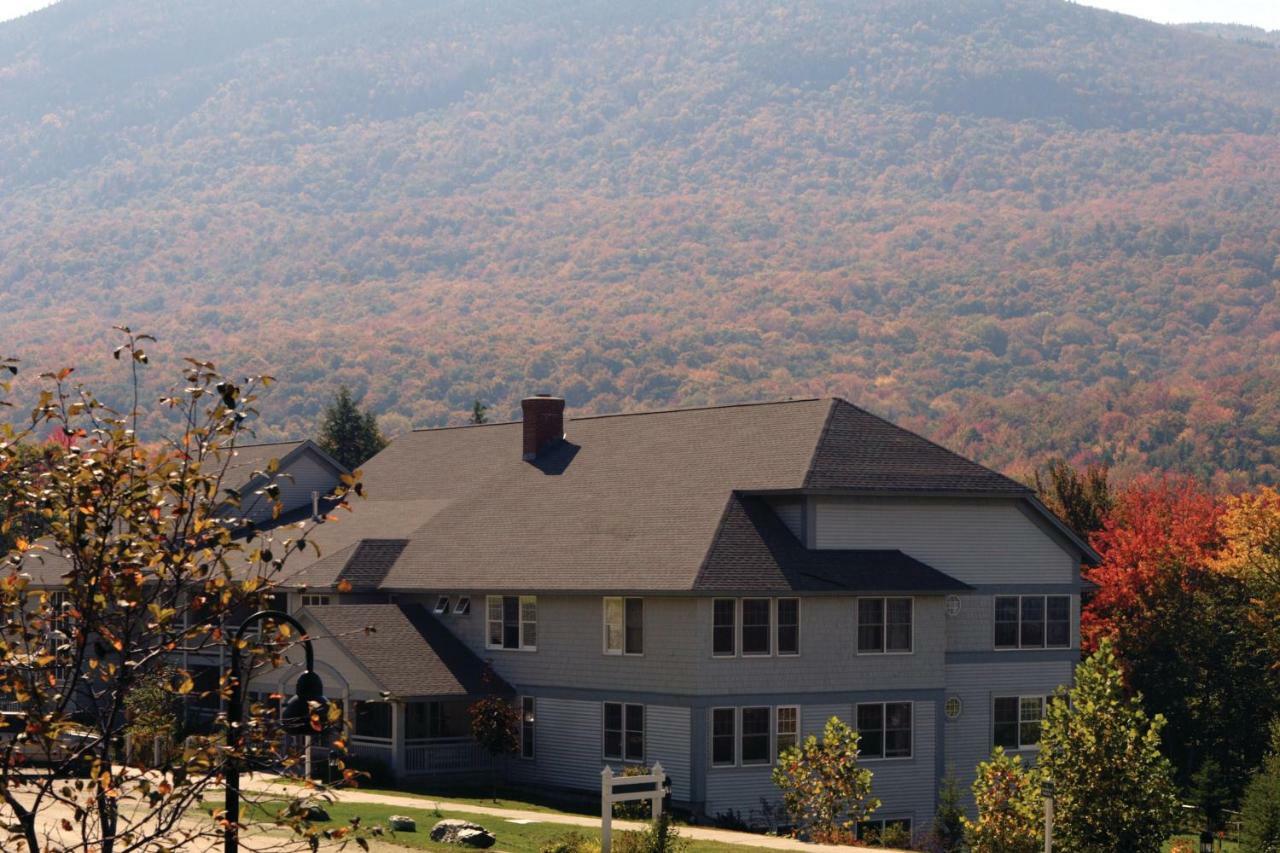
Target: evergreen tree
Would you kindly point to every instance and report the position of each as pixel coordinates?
(1114, 790)
(948, 818)
(347, 434)
(479, 413)
(1260, 811)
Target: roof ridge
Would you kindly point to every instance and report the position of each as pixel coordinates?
(927, 440)
(670, 411)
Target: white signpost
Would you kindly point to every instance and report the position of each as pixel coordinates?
(648, 787)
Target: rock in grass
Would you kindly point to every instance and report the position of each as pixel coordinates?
(454, 831)
(400, 823)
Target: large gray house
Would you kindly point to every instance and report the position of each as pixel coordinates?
(699, 587)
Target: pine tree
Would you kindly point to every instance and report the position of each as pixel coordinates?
(1114, 790)
(347, 434)
(479, 413)
(1260, 810)
(948, 818)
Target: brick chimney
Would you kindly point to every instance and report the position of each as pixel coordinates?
(543, 423)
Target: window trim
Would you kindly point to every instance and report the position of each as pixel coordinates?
(442, 605)
(324, 600)
(528, 720)
(770, 621)
(1045, 596)
(463, 607)
(644, 732)
(884, 717)
(1044, 710)
(777, 728)
(621, 651)
(777, 628)
(711, 736)
(884, 613)
(768, 729)
(520, 622)
(737, 621)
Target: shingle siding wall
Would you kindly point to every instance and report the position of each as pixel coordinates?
(975, 541)
(969, 738)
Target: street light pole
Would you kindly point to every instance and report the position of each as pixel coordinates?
(295, 718)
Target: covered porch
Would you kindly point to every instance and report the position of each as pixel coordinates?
(407, 686)
(417, 737)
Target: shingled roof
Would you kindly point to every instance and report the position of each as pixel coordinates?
(754, 552)
(410, 653)
(625, 502)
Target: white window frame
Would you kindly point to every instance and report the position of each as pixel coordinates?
(622, 626)
(778, 733)
(884, 722)
(1044, 708)
(880, 822)
(777, 626)
(463, 607)
(711, 736)
(737, 622)
(528, 720)
(442, 605)
(884, 624)
(315, 599)
(770, 622)
(768, 729)
(521, 601)
(1020, 646)
(644, 732)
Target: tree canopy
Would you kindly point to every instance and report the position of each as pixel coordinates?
(348, 434)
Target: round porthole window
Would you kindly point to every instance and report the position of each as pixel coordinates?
(953, 605)
(953, 707)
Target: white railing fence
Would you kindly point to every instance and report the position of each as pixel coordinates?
(445, 755)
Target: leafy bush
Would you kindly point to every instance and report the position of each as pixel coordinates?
(660, 836)
(572, 842)
(633, 809)
(823, 789)
(1009, 809)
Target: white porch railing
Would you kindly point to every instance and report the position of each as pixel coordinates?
(372, 747)
(445, 755)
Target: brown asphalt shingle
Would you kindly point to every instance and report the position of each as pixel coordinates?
(410, 653)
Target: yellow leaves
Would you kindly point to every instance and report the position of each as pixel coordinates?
(344, 585)
(1251, 527)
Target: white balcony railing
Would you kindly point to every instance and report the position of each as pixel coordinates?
(445, 755)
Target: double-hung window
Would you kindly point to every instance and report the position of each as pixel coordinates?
(315, 601)
(1016, 721)
(756, 723)
(513, 622)
(724, 627)
(624, 626)
(623, 731)
(755, 627)
(788, 626)
(788, 728)
(1033, 621)
(885, 729)
(724, 737)
(527, 720)
(884, 625)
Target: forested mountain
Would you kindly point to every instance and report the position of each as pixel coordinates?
(1023, 226)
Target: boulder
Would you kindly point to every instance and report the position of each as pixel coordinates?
(315, 814)
(400, 823)
(454, 831)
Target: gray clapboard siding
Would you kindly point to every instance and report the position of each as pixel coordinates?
(303, 475)
(791, 511)
(974, 628)
(969, 738)
(975, 541)
(905, 786)
(567, 745)
(667, 741)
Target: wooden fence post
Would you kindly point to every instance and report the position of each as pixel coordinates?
(655, 808)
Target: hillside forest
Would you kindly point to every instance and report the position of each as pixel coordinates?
(1024, 227)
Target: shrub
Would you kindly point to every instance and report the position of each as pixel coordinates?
(1260, 810)
(572, 842)
(824, 789)
(633, 809)
(1114, 789)
(660, 836)
(1009, 807)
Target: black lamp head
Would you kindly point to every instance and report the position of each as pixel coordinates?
(295, 718)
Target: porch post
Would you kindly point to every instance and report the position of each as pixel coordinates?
(397, 739)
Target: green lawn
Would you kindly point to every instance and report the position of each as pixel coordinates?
(511, 837)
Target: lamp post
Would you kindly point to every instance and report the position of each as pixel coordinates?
(295, 717)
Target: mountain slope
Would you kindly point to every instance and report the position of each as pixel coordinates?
(1024, 227)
